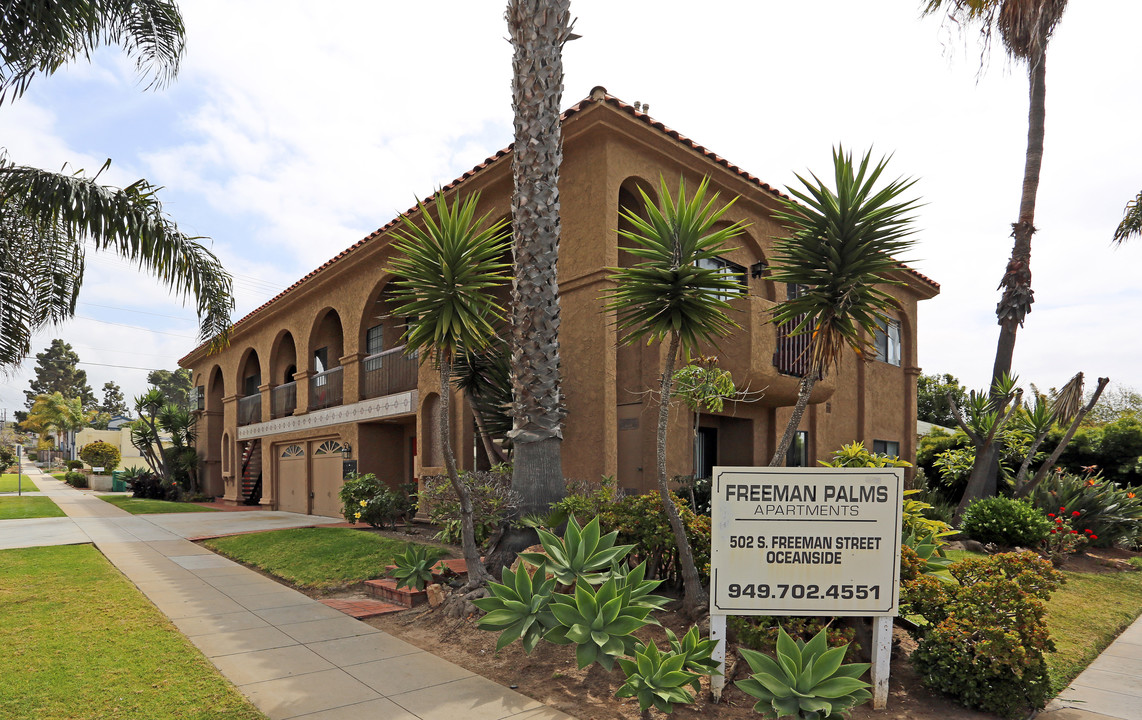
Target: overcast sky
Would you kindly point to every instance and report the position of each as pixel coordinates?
(296, 128)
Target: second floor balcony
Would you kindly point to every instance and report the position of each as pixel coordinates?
(325, 389)
(283, 400)
(250, 409)
(388, 372)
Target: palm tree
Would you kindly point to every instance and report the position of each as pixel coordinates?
(57, 415)
(1131, 225)
(446, 272)
(45, 217)
(841, 251)
(538, 29)
(669, 297)
(1025, 28)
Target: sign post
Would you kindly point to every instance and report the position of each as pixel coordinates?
(807, 541)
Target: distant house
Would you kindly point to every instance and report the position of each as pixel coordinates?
(318, 374)
(121, 439)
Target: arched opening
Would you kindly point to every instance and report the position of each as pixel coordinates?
(283, 366)
(326, 346)
(431, 454)
(210, 431)
(249, 380)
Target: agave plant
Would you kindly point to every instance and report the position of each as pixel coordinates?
(927, 547)
(414, 566)
(657, 679)
(806, 681)
(580, 554)
(518, 607)
(601, 621)
(696, 651)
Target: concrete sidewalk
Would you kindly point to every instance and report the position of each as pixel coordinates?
(292, 656)
(1110, 687)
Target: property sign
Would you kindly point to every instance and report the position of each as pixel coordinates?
(805, 541)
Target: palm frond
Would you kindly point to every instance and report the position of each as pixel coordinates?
(59, 210)
(446, 271)
(1131, 225)
(842, 250)
(39, 37)
(668, 292)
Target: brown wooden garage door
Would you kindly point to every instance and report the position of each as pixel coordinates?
(291, 472)
(325, 465)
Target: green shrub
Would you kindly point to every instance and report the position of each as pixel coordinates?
(74, 464)
(983, 640)
(146, 485)
(492, 503)
(100, 454)
(1005, 521)
(807, 680)
(641, 522)
(364, 498)
(1111, 513)
(75, 479)
(7, 457)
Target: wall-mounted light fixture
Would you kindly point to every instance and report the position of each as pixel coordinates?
(757, 269)
(346, 451)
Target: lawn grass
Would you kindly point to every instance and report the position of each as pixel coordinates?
(14, 507)
(313, 557)
(138, 506)
(1085, 615)
(8, 483)
(80, 641)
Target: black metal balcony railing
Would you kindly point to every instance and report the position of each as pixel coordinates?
(388, 372)
(250, 409)
(792, 355)
(283, 400)
(325, 389)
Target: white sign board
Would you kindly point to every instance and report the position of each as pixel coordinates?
(805, 541)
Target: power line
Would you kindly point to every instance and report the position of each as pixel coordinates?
(141, 312)
(125, 367)
(136, 327)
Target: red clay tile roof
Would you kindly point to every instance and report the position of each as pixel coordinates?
(570, 112)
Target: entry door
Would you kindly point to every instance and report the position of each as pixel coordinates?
(293, 491)
(326, 466)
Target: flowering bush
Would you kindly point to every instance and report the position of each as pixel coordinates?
(100, 454)
(364, 498)
(1006, 522)
(983, 640)
(1111, 513)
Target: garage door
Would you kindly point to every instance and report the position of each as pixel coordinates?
(293, 495)
(327, 477)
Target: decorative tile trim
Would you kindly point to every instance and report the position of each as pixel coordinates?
(398, 404)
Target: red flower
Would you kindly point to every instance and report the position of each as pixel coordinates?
(1075, 513)
(1062, 509)
(1053, 531)
(1094, 537)
(1074, 532)
(1059, 520)
(1050, 515)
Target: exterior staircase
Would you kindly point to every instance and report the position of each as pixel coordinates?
(251, 467)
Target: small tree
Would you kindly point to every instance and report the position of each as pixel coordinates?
(100, 454)
(446, 271)
(669, 297)
(841, 250)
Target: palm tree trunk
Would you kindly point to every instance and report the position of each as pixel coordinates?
(696, 600)
(1015, 303)
(538, 29)
(494, 453)
(477, 574)
(803, 392)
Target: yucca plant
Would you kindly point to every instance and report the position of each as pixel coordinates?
(806, 681)
(601, 622)
(842, 250)
(518, 608)
(580, 553)
(673, 296)
(657, 679)
(414, 566)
